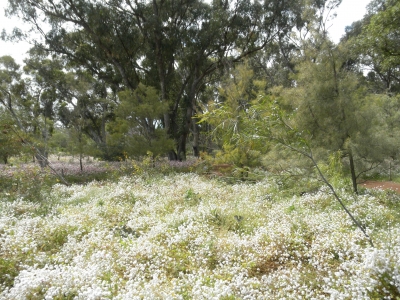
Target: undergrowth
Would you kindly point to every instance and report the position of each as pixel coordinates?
(176, 235)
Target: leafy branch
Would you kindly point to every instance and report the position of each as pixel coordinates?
(25, 141)
(306, 151)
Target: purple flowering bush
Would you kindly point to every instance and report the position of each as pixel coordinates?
(29, 181)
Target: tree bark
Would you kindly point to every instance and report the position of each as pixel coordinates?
(190, 104)
(196, 138)
(353, 172)
(80, 161)
(172, 155)
(41, 157)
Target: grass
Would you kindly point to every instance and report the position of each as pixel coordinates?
(184, 236)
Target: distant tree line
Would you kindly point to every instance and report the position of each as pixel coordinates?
(121, 78)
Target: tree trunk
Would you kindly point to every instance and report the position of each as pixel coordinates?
(80, 150)
(42, 157)
(80, 161)
(172, 155)
(196, 137)
(185, 132)
(353, 172)
(182, 147)
(190, 105)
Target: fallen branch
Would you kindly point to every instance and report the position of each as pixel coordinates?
(310, 156)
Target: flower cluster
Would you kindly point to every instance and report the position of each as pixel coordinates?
(187, 237)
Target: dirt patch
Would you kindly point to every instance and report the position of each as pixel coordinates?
(382, 185)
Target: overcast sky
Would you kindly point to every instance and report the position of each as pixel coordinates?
(348, 12)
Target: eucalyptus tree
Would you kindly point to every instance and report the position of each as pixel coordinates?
(135, 130)
(373, 43)
(87, 106)
(12, 87)
(174, 46)
(277, 63)
(382, 33)
(29, 101)
(15, 106)
(43, 77)
(10, 140)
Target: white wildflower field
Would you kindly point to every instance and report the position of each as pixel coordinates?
(185, 236)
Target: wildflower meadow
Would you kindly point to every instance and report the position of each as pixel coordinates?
(188, 236)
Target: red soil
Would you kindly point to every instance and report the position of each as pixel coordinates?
(383, 185)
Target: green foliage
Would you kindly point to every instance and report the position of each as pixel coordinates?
(31, 184)
(191, 197)
(10, 137)
(85, 177)
(9, 269)
(123, 47)
(29, 101)
(217, 234)
(382, 35)
(125, 86)
(372, 44)
(333, 168)
(232, 121)
(388, 133)
(136, 129)
(336, 111)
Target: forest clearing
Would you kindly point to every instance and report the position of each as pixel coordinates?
(384, 185)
